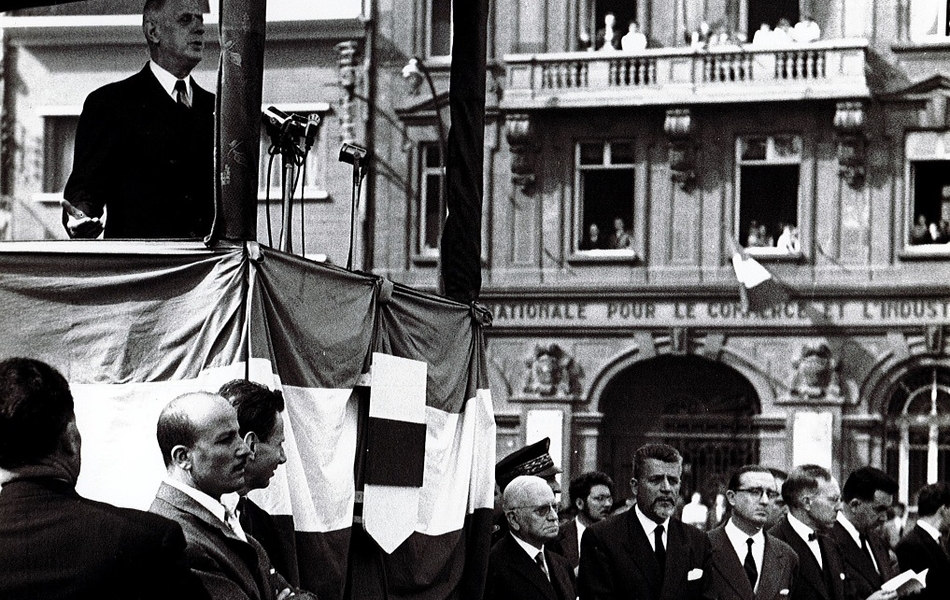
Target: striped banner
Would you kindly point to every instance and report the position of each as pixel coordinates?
(134, 324)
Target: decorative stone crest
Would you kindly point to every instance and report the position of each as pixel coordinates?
(816, 375)
(849, 125)
(551, 372)
(682, 156)
(519, 131)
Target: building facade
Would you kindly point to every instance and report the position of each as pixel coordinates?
(619, 184)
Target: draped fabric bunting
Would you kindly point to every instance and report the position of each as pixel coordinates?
(134, 324)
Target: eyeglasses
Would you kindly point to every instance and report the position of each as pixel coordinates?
(758, 492)
(542, 510)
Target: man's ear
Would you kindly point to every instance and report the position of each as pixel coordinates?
(251, 440)
(512, 521)
(181, 457)
(633, 486)
(151, 31)
(579, 504)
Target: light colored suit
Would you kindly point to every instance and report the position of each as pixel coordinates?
(729, 580)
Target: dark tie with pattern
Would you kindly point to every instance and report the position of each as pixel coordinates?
(749, 564)
(539, 558)
(658, 548)
(181, 93)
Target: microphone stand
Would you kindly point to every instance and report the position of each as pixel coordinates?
(288, 158)
(359, 158)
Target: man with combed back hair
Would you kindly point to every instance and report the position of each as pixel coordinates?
(520, 566)
(55, 544)
(748, 563)
(921, 548)
(646, 553)
(813, 499)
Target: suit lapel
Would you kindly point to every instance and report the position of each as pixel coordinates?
(643, 558)
(727, 563)
(523, 564)
(769, 586)
(855, 557)
(810, 570)
(560, 579)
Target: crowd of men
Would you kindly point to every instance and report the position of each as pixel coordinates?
(789, 537)
(794, 536)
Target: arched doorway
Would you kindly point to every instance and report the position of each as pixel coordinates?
(917, 429)
(701, 407)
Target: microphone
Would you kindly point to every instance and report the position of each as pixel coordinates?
(353, 154)
(313, 124)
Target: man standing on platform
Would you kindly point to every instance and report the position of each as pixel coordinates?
(646, 553)
(748, 563)
(145, 145)
(867, 494)
(813, 499)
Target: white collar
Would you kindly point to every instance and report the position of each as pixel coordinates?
(529, 548)
(648, 524)
(739, 537)
(167, 80)
(849, 527)
(580, 528)
(216, 508)
(930, 529)
(800, 528)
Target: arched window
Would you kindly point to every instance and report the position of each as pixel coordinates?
(918, 429)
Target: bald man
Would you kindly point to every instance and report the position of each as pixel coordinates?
(520, 567)
(205, 458)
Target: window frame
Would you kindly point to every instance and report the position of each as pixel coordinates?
(420, 251)
(428, 31)
(769, 252)
(577, 233)
(943, 14)
(920, 146)
(46, 114)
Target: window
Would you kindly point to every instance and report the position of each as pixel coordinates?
(313, 172)
(605, 198)
(768, 173)
(771, 13)
(929, 19)
(59, 142)
(918, 430)
(440, 28)
(593, 23)
(431, 211)
(928, 193)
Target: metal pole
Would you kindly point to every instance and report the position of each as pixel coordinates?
(286, 245)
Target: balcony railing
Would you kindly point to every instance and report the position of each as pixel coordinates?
(820, 70)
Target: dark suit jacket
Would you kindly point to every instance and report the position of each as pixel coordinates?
(513, 575)
(728, 577)
(566, 544)
(276, 540)
(811, 582)
(150, 161)
(617, 561)
(918, 551)
(230, 568)
(56, 544)
(862, 578)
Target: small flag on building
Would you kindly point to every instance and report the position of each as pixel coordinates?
(759, 289)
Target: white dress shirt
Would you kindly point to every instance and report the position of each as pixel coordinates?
(216, 508)
(738, 539)
(649, 526)
(804, 531)
(168, 81)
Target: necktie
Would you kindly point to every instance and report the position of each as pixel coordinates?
(867, 550)
(539, 558)
(181, 93)
(749, 564)
(658, 548)
(232, 521)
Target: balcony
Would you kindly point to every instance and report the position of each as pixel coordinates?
(824, 70)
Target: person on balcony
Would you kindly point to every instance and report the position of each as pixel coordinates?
(608, 38)
(633, 40)
(806, 30)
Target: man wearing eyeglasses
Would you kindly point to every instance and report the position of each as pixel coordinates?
(867, 494)
(519, 566)
(591, 497)
(646, 553)
(748, 563)
(813, 498)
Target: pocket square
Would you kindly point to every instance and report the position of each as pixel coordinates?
(694, 574)
(783, 592)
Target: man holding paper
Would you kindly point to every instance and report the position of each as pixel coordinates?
(921, 549)
(866, 496)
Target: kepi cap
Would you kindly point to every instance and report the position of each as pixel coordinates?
(533, 459)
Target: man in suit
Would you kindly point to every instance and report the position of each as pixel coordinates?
(866, 496)
(646, 553)
(921, 548)
(261, 426)
(55, 544)
(748, 563)
(205, 458)
(813, 498)
(145, 145)
(591, 496)
(519, 566)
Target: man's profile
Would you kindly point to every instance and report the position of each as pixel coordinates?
(145, 145)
